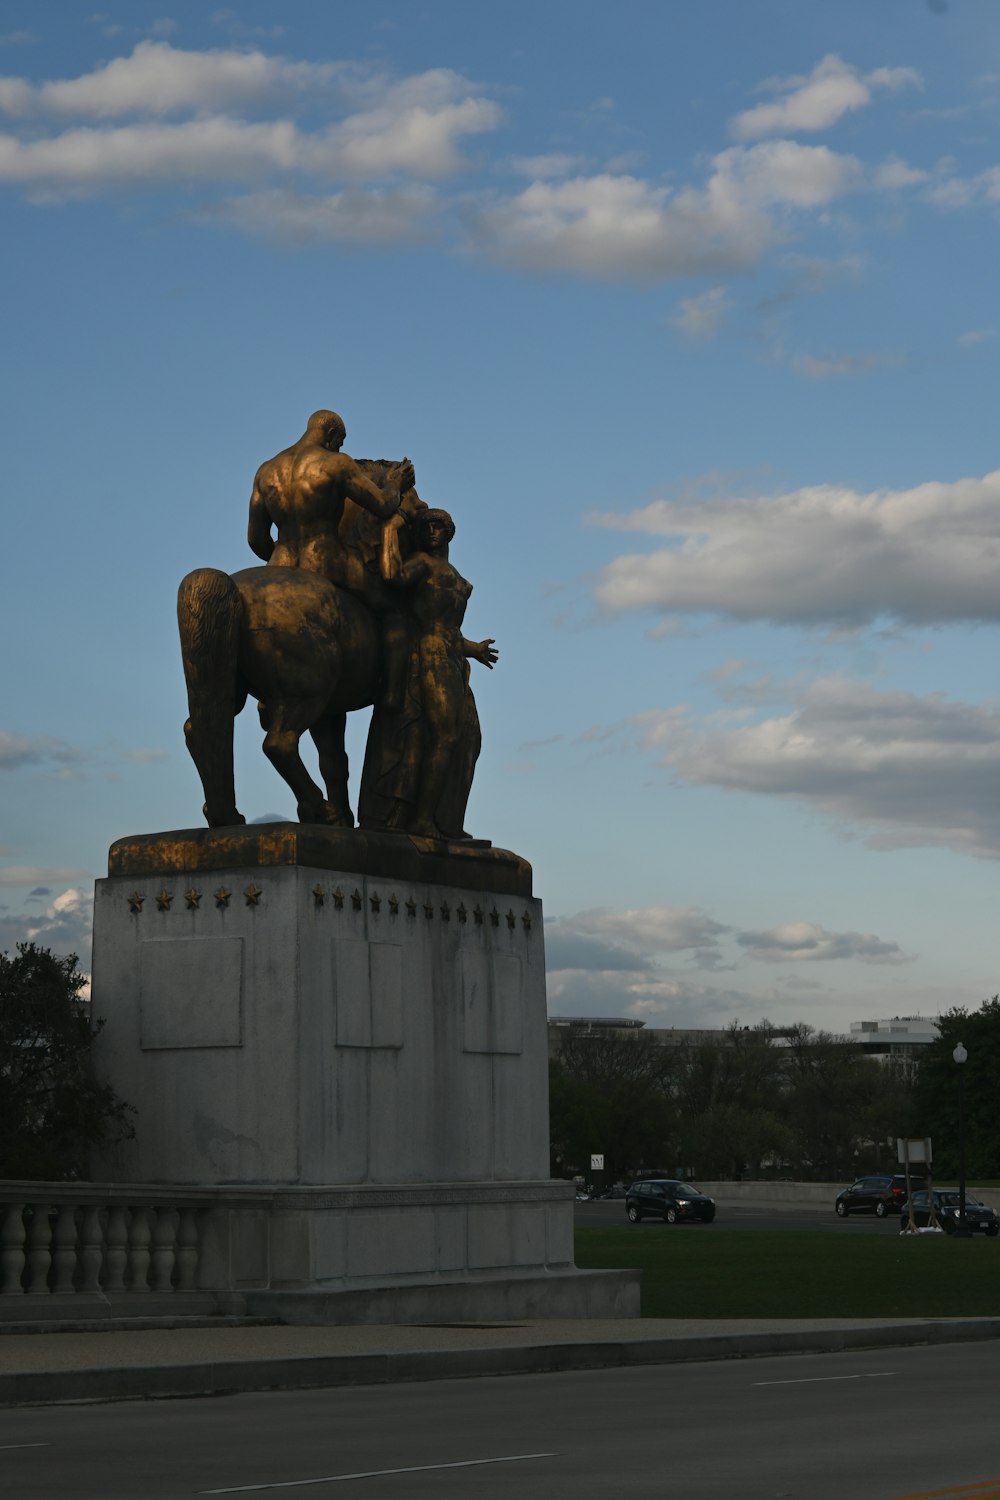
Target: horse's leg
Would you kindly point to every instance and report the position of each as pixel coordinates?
(328, 737)
(209, 613)
(288, 721)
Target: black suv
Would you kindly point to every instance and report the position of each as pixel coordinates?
(881, 1193)
(978, 1216)
(665, 1198)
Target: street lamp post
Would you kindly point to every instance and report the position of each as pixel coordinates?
(960, 1055)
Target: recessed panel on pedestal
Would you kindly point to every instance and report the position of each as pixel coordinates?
(190, 992)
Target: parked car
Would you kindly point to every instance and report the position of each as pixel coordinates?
(978, 1216)
(880, 1193)
(664, 1198)
(617, 1191)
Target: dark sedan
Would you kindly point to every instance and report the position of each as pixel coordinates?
(978, 1216)
(880, 1193)
(664, 1198)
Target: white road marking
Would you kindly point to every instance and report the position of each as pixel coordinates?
(6, 1447)
(290, 1484)
(820, 1379)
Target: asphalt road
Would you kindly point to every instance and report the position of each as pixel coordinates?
(751, 1216)
(880, 1425)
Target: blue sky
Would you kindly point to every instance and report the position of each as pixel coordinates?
(688, 313)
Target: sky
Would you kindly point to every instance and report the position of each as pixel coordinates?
(687, 313)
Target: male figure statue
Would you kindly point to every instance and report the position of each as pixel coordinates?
(302, 492)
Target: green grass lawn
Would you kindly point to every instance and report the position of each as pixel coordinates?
(702, 1271)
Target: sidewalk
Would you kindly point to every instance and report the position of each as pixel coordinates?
(211, 1357)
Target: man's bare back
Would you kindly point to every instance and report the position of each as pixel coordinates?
(302, 491)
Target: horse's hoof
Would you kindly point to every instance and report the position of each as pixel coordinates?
(229, 817)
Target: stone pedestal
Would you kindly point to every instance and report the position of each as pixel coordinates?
(355, 1024)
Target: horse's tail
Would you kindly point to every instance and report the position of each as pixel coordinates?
(209, 616)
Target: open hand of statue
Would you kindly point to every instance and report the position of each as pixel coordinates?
(404, 476)
(483, 651)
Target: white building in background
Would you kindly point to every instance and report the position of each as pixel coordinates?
(901, 1037)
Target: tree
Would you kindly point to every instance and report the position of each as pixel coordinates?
(729, 1095)
(52, 1109)
(613, 1088)
(938, 1084)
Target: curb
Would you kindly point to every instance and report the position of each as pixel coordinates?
(303, 1372)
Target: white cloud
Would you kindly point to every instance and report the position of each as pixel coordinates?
(785, 173)
(624, 227)
(833, 88)
(553, 164)
(808, 942)
(158, 79)
(606, 941)
(375, 216)
(824, 555)
(833, 366)
(702, 316)
(65, 927)
(950, 191)
(895, 173)
(412, 126)
(906, 770)
(87, 159)
(37, 875)
(17, 750)
(973, 336)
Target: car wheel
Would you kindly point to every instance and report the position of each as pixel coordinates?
(992, 1231)
(634, 1215)
(881, 1210)
(948, 1225)
(671, 1216)
(842, 1210)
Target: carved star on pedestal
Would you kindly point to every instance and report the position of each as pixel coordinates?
(411, 908)
(338, 899)
(428, 910)
(477, 912)
(356, 899)
(135, 902)
(193, 899)
(375, 902)
(461, 912)
(318, 894)
(394, 904)
(445, 912)
(222, 896)
(252, 895)
(164, 899)
(511, 920)
(526, 921)
(495, 917)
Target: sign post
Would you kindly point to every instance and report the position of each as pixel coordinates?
(916, 1150)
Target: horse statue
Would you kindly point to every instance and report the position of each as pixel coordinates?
(310, 651)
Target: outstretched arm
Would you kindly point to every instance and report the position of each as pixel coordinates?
(259, 527)
(481, 651)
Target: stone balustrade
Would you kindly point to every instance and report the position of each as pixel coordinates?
(96, 1250)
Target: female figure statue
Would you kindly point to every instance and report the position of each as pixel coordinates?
(442, 707)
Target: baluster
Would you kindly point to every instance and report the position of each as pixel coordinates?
(164, 1249)
(138, 1250)
(115, 1256)
(91, 1250)
(64, 1249)
(12, 1250)
(39, 1250)
(187, 1250)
